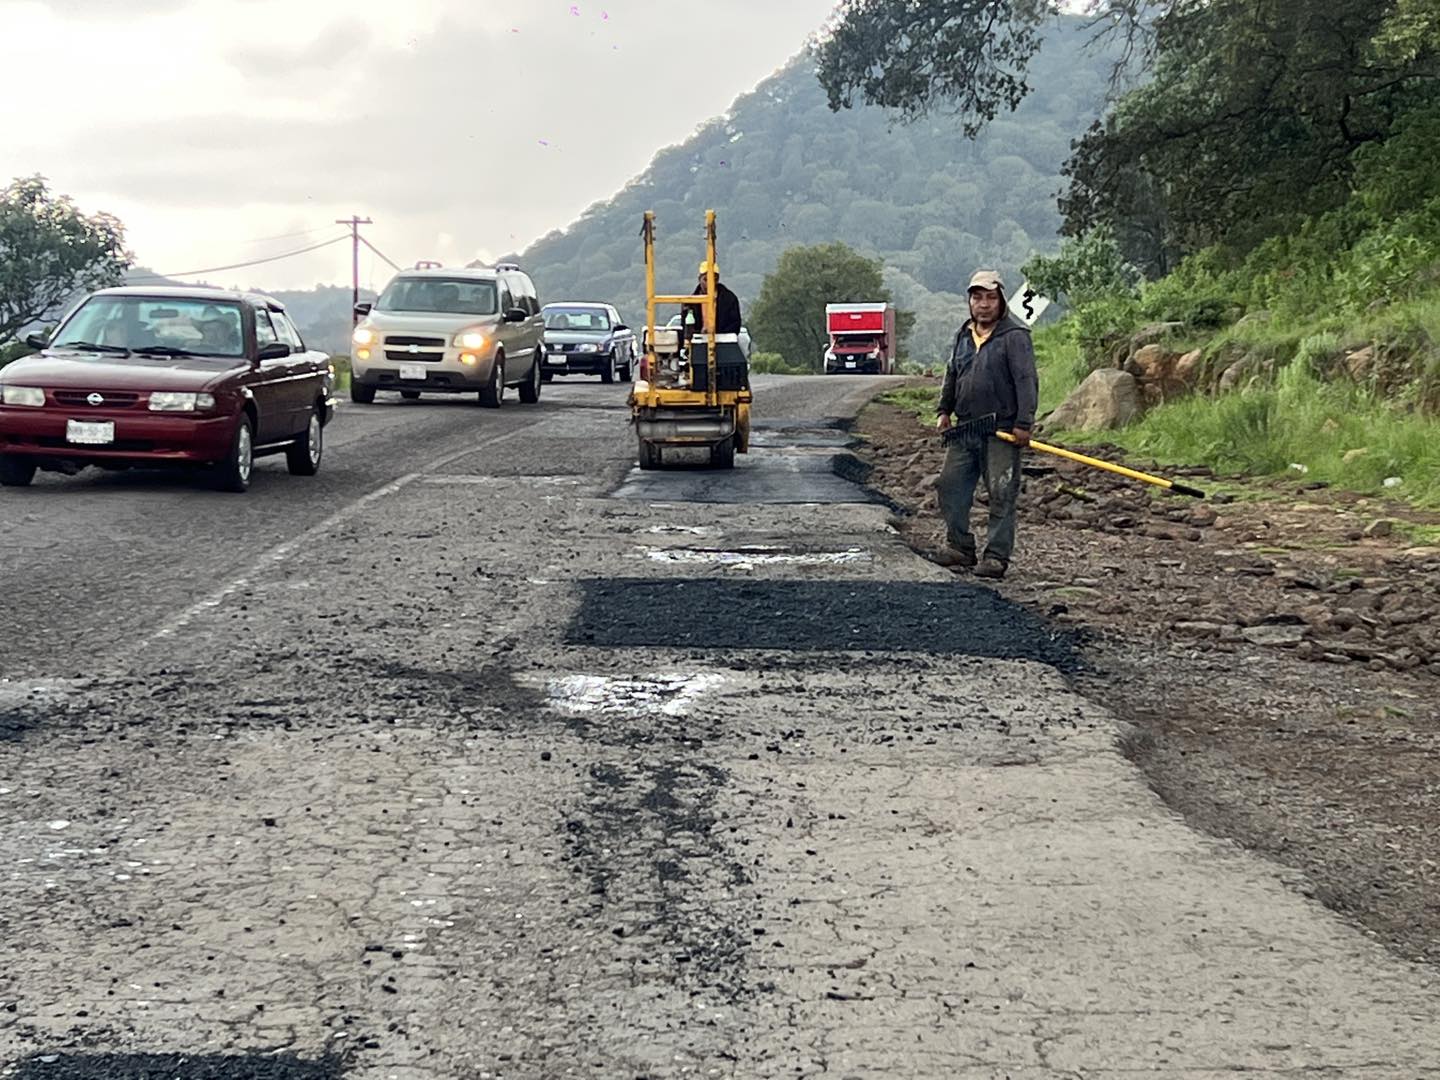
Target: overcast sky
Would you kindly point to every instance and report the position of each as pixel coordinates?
(226, 130)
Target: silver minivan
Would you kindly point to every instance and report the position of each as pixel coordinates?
(443, 331)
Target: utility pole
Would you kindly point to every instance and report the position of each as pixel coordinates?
(354, 222)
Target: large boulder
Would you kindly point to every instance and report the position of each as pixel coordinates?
(1106, 399)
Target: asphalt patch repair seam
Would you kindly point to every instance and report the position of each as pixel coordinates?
(819, 616)
(253, 1066)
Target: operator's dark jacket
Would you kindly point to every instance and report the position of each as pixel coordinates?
(727, 311)
(999, 378)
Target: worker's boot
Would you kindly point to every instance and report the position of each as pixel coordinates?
(954, 558)
(992, 568)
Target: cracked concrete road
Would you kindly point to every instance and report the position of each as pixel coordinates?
(488, 756)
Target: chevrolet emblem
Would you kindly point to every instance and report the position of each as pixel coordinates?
(95, 399)
(414, 349)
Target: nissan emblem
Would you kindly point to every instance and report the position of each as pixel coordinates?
(95, 399)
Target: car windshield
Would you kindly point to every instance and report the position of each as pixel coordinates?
(576, 319)
(164, 323)
(450, 296)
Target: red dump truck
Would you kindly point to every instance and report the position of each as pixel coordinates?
(862, 339)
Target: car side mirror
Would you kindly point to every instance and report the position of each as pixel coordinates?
(275, 350)
(364, 309)
(621, 329)
(516, 314)
(38, 341)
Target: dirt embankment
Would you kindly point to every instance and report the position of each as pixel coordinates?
(1278, 658)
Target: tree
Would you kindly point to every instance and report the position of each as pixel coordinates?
(1253, 120)
(789, 316)
(49, 252)
(970, 57)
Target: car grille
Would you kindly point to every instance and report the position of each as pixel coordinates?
(405, 356)
(78, 399)
(423, 342)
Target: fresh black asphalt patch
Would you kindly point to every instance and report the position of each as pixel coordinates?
(255, 1066)
(861, 616)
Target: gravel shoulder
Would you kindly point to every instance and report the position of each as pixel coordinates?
(1278, 660)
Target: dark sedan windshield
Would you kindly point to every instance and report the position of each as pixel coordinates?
(112, 323)
(576, 319)
(450, 296)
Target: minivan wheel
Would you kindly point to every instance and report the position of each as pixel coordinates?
(233, 474)
(361, 394)
(16, 470)
(493, 396)
(302, 456)
(530, 388)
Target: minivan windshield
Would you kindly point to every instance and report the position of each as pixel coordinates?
(160, 324)
(576, 319)
(449, 296)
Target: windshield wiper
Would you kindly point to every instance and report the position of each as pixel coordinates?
(90, 346)
(164, 350)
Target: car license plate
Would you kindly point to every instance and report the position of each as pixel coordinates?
(90, 433)
(413, 371)
(556, 358)
(849, 363)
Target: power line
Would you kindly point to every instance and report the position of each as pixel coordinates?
(393, 264)
(242, 265)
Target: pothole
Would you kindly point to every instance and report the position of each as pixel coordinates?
(671, 694)
(746, 558)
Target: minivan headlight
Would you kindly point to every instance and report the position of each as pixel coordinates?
(32, 396)
(469, 339)
(169, 401)
(365, 336)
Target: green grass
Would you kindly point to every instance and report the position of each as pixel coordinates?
(1299, 420)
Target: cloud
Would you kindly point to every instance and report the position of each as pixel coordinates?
(433, 118)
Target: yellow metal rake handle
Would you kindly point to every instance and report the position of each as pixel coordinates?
(1096, 463)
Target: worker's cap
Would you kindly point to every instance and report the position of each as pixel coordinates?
(705, 268)
(989, 280)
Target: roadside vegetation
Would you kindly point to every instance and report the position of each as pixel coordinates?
(1254, 227)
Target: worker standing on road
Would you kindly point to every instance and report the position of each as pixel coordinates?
(991, 372)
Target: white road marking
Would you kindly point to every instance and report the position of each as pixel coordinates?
(281, 552)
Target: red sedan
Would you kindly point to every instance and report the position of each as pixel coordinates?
(139, 377)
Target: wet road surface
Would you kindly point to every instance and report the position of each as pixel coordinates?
(486, 755)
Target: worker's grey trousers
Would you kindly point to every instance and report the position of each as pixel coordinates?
(966, 463)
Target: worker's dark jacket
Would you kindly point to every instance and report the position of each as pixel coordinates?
(727, 312)
(999, 378)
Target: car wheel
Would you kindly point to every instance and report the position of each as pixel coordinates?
(304, 454)
(410, 395)
(547, 376)
(628, 371)
(16, 470)
(608, 375)
(493, 396)
(530, 388)
(362, 394)
(233, 474)
(722, 455)
(649, 455)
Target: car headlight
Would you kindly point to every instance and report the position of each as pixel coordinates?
(32, 396)
(169, 401)
(365, 336)
(588, 347)
(469, 339)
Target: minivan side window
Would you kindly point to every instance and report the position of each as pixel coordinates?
(507, 298)
(532, 299)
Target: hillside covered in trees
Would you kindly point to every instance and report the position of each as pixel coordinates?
(781, 170)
